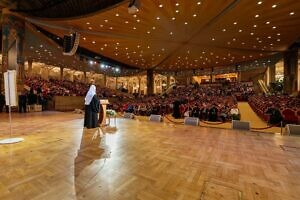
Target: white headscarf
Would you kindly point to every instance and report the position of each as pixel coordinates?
(89, 96)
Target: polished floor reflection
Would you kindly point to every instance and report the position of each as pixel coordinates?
(143, 160)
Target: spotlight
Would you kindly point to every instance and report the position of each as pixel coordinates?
(134, 6)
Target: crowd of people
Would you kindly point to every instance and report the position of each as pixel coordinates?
(276, 108)
(210, 102)
(55, 87)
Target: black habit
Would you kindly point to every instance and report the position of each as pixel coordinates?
(91, 113)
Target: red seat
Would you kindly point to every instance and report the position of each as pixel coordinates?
(289, 116)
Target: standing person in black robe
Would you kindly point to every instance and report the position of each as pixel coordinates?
(176, 109)
(213, 114)
(2, 102)
(92, 108)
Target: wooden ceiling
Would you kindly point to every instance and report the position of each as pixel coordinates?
(58, 8)
(172, 35)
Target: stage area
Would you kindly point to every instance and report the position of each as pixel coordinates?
(143, 160)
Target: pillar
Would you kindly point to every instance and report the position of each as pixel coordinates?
(104, 80)
(239, 76)
(150, 82)
(272, 73)
(267, 76)
(139, 82)
(29, 68)
(168, 81)
(61, 77)
(290, 59)
(212, 78)
(188, 80)
(13, 32)
(116, 83)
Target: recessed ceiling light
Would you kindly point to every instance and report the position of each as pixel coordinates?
(177, 11)
(267, 22)
(254, 25)
(278, 33)
(185, 23)
(177, 4)
(224, 30)
(158, 18)
(111, 28)
(134, 16)
(240, 30)
(148, 32)
(126, 22)
(90, 28)
(213, 39)
(88, 23)
(106, 20)
(292, 13)
(199, 2)
(160, 5)
(274, 6)
(274, 27)
(153, 28)
(134, 28)
(117, 15)
(171, 33)
(84, 38)
(93, 42)
(260, 2)
(251, 33)
(173, 18)
(235, 23)
(256, 16)
(194, 15)
(269, 37)
(101, 25)
(278, 40)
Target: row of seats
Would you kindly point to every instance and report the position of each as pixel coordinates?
(289, 107)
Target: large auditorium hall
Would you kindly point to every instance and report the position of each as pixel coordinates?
(150, 100)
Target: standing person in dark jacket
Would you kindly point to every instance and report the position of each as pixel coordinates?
(2, 102)
(22, 102)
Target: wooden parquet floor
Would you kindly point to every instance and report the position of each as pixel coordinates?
(142, 160)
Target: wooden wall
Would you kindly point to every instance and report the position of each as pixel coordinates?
(68, 103)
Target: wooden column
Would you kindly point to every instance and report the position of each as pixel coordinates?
(290, 59)
(150, 82)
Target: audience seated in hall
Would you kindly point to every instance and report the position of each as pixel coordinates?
(208, 102)
(269, 108)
